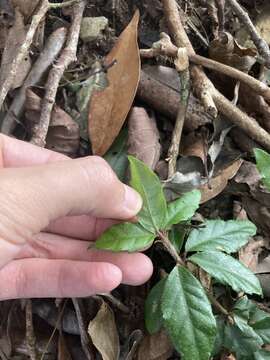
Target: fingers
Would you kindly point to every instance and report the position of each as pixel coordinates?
(136, 268)
(16, 153)
(37, 278)
(32, 197)
(80, 227)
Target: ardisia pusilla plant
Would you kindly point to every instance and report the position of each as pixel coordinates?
(180, 302)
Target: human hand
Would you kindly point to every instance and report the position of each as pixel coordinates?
(51, 207)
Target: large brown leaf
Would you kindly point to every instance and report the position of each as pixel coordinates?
(109, 107)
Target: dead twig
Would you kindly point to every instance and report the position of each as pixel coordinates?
(30, 334)
(165, 47)
(37, 18)
(68, 55)
(204, 88)
(85, 339)
(182, 66)
(50, 52)
(260, 43)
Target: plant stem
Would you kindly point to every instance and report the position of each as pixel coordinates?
(170, 248)
(219, 307)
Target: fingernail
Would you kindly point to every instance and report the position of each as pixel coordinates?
(133, 201)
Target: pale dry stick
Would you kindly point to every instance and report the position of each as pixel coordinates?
(51, 50)
(182, 66)
(205, 89)
(24, 49)
(260, 43)
(85, 338)
(68, 55)
(63, 4)
(41, 12)
(165, 47)
(30, 334)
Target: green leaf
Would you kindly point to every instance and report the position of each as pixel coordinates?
(152, 308)
(263, 165)
(262, 328)
(183, 208)
(228, 270)
(177, 237)
(125, 237)
(117, 155)
(258, 319)
(153, 214)
(228, 236)
(244, 308)
(262, 355)
(220, 336)
(241, 339)
(188, 316)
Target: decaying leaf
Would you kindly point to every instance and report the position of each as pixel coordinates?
(63, 135)
(15, 39)
(26, 7)
(164, 96)
(194, 145)
(143, 137)
(217, 184)
(109, 107)
(226, 50)
(103, 332)
(6, 14)
(155, 347)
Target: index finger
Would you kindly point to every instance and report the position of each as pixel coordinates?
(17, 153)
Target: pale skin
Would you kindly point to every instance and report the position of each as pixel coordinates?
(51, 208)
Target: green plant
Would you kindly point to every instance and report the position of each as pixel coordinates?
(179, 301)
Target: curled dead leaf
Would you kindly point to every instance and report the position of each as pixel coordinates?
(143, 137)
(26, 7)
(103, 332)
(218, 183)
(226, 50)
(109, 107)
(155, 347)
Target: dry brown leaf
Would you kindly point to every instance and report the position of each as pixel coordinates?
(15, 39)
(248, 255)
(217, 184)
(63, 135)
(155, 347)
(26, 7)
(109, 107)
(103, 332)
(194, 145)
(143, 137)
(225, 49)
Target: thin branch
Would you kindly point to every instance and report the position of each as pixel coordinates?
(51, 50)
(30, 334)
(205, 89)
(85, 339)
(258, 86)
(165, 47)
(170, 248)
(182, 66)
(63, 4)
(260, 43)
(68, 56)
(23, 51)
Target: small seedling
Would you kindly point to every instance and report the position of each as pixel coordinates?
(179, 302)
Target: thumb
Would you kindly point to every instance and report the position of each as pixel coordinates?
(32, 197)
